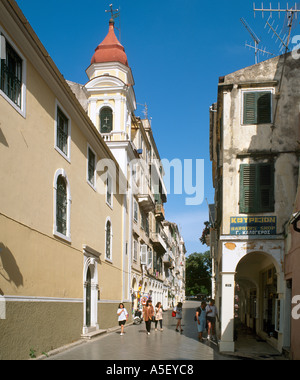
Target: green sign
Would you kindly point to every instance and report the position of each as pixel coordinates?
(253, 225)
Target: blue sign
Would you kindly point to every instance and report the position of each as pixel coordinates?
(253, 225)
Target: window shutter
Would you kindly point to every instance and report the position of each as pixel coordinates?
(150, 258)
(144, 254)
(257, 107)
(257, 188)
(263, 107)
(249, 108)
(266, 188)
(248, 188)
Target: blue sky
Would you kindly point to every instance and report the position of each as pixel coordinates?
(177, 50)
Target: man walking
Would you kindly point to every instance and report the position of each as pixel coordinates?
(211, 315)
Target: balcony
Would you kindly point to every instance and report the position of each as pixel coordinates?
(145, 197)
(159, 212)
(167, 260)
(158, 243)
(115, 136)
(146, 202)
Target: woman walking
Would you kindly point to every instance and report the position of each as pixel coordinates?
(122, 317)
(148, 313)
(158, 315)
(178, 311)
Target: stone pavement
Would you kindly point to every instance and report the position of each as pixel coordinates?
(166, 345)
(137, 345)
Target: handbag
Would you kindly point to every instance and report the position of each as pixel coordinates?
(173, 313)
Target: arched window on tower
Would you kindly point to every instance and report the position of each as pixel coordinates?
(106, 120)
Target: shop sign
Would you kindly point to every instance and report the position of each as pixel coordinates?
(254, 225)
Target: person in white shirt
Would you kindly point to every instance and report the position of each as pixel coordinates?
(211, 315)
(122, 317)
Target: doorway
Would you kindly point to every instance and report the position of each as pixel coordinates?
(88, 295)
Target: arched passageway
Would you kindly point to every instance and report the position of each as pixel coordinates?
(257, 295)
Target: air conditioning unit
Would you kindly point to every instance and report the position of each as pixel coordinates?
(144, 251)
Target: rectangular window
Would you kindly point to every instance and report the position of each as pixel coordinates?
(257, 107)
(91, 167)
(144, 254)
(12, 74)
(135, 250)
(135, 211)
(150, 258)
(145, 222)
(109, 190)
(256, 188)
(62, 132)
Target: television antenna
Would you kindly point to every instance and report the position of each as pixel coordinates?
(256, 41)
(145, 111)
(253, 36)
(291, 15)
(283, 39)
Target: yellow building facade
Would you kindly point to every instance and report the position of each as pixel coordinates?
(82, 197)
(61, 245)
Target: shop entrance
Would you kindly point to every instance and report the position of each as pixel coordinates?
(256, 295)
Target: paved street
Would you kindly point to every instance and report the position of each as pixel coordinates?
(137, 345)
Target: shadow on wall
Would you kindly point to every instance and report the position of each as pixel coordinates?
(3, 139)
(9, 269)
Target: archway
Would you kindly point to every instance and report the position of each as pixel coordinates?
(256, 292)
(90, 285)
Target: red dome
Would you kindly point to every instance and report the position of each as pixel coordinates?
(110, 50)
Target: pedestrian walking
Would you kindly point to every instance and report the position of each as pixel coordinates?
(211, 315)
(148, 314)
(201, 320)
(158, 315)
(122, 317)
(178, 311)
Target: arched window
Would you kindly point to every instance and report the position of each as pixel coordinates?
(108, 240)
(106, 120)
(62, 205)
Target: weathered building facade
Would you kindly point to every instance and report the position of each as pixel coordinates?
(254, 152)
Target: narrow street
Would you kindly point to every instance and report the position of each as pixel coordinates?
(137, 345)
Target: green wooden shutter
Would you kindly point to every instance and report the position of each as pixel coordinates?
(256, 188)
(257, 107)
(263, 107)
(248, 189)
(266, 187)
(250, 114)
